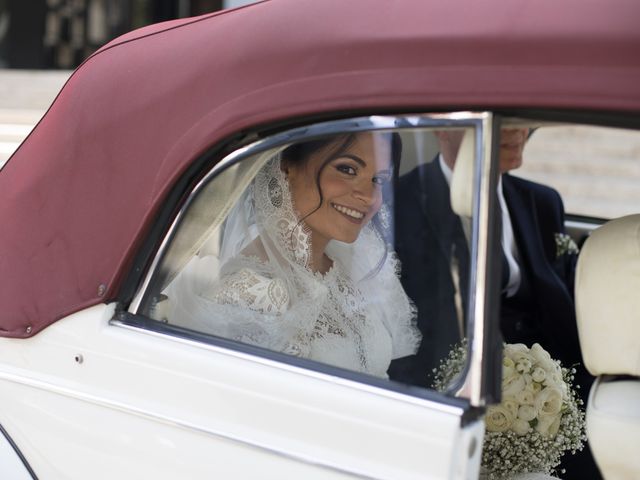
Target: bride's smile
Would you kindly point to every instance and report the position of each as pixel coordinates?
(352, 214)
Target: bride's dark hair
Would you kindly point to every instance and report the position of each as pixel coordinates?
(334, 147)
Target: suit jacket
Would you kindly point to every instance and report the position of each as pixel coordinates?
(537, 216)
(426, 228)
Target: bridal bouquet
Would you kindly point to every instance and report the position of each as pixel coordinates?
(538, 419)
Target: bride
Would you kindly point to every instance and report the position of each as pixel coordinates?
(304, 266)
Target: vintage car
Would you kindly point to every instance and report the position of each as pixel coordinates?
(132, 175)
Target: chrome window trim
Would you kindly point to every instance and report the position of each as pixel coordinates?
(471, 386)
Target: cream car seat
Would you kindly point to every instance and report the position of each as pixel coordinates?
(608, 314)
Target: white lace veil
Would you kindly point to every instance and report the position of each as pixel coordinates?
(259, 288)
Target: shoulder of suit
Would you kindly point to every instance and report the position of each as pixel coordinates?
(537, 189)
(416, 175)
(410, 181)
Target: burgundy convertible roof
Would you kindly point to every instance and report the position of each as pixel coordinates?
(82, 191)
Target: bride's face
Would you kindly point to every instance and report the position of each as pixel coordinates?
(351, 185)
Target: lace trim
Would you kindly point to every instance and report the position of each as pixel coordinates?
(343, 314)
(249, 289)
(276, 213)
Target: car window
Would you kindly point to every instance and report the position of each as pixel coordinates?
(342, 249)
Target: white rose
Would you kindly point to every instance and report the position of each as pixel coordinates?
(543, 425)
(527, 412)
(538, 374)
(549, 401)
(498, 418)
(539, 354)
(508, 367)
(512, 385)
(553, 379)
(528, 379)
(534, 388)
(524, 364)
(555, 426)
(511, 405)
(548, 426)
(511, 349)
(520, 352)
(525, 397)
(520, 427)
(542, 358)
(556, 381)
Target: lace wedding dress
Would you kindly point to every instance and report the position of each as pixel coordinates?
(260, 289)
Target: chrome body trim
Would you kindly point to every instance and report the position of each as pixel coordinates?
(582, 225)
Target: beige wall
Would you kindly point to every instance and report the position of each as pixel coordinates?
(596, 170)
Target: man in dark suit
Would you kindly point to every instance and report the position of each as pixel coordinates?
(537, 301)
(538, 264)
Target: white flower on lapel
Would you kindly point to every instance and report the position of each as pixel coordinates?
(565, 245)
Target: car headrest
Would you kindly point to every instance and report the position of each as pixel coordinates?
(608, 298)
(461, 190)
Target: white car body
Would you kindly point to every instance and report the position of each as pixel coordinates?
(86, 391)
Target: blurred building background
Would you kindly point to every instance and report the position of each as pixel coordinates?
(60, 34)
(42, 41)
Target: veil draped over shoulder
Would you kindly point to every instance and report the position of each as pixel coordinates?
(260, 289)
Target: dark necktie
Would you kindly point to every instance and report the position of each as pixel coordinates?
(460, 252)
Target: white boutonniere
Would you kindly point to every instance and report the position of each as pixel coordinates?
(565, 245)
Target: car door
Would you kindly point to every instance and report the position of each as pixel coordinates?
(128, 390)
